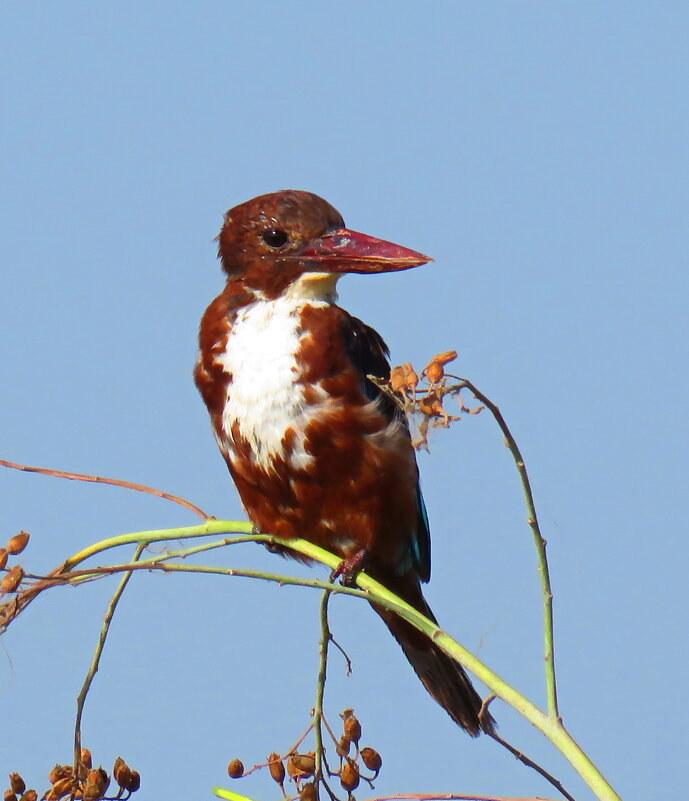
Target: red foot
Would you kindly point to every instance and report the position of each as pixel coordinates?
(348, 568)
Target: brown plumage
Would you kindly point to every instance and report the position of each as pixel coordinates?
(316, 451)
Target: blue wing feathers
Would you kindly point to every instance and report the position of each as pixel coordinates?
(421, 542)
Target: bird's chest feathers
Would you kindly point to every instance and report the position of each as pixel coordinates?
(265, 396)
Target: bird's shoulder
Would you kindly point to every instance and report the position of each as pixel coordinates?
(340, 342)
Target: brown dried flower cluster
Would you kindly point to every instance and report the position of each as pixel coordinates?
(300, 767)
(85, 784)
(422, 398)
(13, 576)
(350, 772)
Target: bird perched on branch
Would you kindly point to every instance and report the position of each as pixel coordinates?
(314, 447)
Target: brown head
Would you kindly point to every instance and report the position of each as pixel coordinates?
(271, 240)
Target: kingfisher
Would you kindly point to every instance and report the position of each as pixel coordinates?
(315, 448)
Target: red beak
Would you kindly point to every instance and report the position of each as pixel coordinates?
(345, 251)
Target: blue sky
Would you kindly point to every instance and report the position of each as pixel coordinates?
(538, 152)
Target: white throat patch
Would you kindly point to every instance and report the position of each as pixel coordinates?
(264, 397)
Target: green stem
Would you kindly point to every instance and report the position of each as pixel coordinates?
(540, 542)
(320, 684)
(181, 553)
(322, 768)
(211, 526)
(550, 726)
(95, 662)
(91, 574)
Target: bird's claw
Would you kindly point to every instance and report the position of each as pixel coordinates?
(348, 568)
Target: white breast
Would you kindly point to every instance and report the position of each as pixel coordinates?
(264, 397)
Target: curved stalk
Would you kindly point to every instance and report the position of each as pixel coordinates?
(540, 543)
(551, 727)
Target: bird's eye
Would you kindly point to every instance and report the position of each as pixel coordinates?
(274, 238)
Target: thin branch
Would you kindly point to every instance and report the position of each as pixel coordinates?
(320, 682)
(440, 389)
(95, 662)
(161, 564)
(260, 765)
(298, 742)
(9, 610)
(324, 642)
(115, 482)
(211, 526)
(525, 760)
(551, 727)
(180, 553)
(330, 731)
(345, 655)
(540, 542)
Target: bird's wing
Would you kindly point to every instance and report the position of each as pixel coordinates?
(369, 356)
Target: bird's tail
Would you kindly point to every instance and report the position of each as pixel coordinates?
(445, 680)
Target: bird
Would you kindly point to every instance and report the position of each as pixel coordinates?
(315, 448)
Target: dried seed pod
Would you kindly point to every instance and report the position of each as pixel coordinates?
(85, 757)
(60, 788)
(445, 357)
(121, 773)
(276, 768)
(60, 772)
(9, 796)
(349, 775)
(411, 377)
(309, 792)
(11, 580)
(434, 372)
(428, 404)
(95, 785)
(91, 791)
(57, 774)
(235, 769)
(305, 764)
(397, 376)
(17, 784)
(292, 770)
(352, 727)
(134, 781)
(3, 558)
(371, 759)
(105, 779)
(17, 543)
(403, 378)
(343, 746)
(29, 795)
